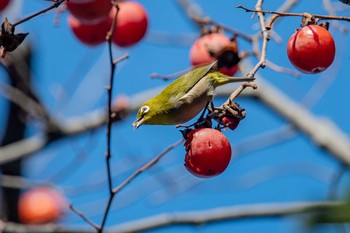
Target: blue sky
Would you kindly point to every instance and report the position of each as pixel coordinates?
(70, 79)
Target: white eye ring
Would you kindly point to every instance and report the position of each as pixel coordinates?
(144, 109)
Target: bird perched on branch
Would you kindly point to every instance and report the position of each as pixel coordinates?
(184, 98)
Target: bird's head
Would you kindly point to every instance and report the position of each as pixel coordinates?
(143, 115)
(155, 112)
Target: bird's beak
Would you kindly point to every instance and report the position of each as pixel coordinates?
(138, 122)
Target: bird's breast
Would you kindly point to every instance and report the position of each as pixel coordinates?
(186, 111)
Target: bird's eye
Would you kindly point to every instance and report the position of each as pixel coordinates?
(144, 109)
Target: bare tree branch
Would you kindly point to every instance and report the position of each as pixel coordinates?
(209, 216)
(194, 12)
(21, 148)
(221, 214)
(19, 182)
(9, 227)
(266, 37)
(22, 100)
(146, 166)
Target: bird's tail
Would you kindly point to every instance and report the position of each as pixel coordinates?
(222, 79)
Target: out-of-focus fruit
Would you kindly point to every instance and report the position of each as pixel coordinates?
(90, 34)
(131, 25)
(89, 11)
(215, 46)
(41, 205)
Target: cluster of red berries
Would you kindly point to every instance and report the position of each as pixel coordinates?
(90, 20)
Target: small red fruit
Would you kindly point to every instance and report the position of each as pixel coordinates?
(132, 22)
(230, 122)
(41, 205)
(3, 4)
(211, 47)
(89, 10)
(90, 34)
(311, 49)
(208, 152)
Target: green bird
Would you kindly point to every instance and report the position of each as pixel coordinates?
(184, 98)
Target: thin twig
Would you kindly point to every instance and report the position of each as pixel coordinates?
(287, 5)
(266, 38)
(176, 74)
(235, 33)
(146, 166)
(123, 185)
(270, 64)
(113, 65)
(110, 96)
(321, 17)
(331, 11)
(55, 5)
(194, 13)
(119, 59)
(281, 69)
(171, 76)
(85, 218)
(238, 91)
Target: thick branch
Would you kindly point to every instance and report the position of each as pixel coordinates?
(220, 214)
(208, 216)
(10, 227)
(22, 148)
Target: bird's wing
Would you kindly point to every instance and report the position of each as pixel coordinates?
(183, 85)
(193, 77)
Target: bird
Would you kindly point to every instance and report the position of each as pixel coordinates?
(184, 98)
